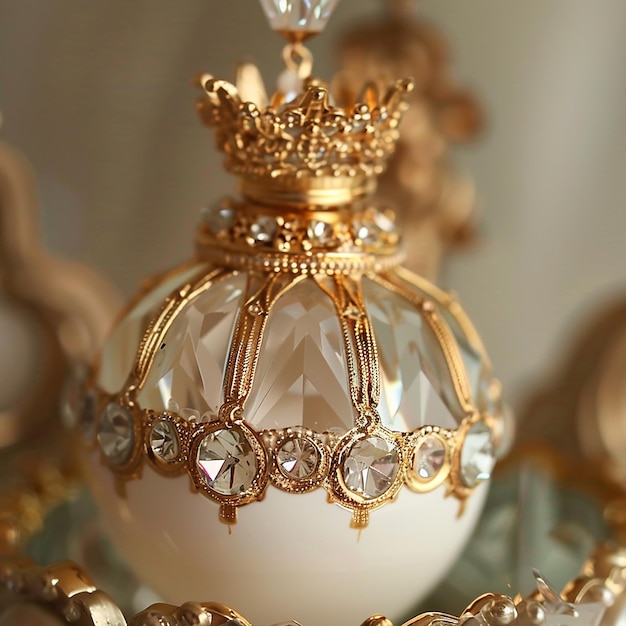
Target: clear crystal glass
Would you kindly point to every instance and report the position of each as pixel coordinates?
(416, 384)
(227, 461)
(120, 349)
(188, 371)
(298, 16)
(302, 376)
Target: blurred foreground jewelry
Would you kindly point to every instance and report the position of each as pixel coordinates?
(434, 203)
(51, 311)
(596, 598)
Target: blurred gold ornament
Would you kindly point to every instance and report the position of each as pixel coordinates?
(51, 311)
(434, 203)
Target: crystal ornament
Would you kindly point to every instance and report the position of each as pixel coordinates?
(477, 455)
(188, 369)
(298, 17)
(371, 467)
(219, 217)
(227, 461)
(298, 458)
(430, 455)
(116, 434)
(320, 233)
(416, 384)
(164, 441)
(264, 229)
(301, 377)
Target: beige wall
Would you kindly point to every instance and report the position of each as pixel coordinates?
(97, 93)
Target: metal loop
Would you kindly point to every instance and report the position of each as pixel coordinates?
(298, 59)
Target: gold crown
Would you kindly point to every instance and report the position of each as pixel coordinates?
(307, 143)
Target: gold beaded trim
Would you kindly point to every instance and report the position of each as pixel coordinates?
(338, 240)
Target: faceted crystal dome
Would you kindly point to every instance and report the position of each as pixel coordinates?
(301, 376)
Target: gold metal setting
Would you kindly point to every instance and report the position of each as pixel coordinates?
(332, 453)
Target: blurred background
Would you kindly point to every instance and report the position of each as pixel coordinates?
(98, 95)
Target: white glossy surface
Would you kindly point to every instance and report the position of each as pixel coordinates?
(289, 556)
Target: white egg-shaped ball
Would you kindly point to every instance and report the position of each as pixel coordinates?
(287, 557)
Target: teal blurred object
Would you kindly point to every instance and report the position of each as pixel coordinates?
(530, 521)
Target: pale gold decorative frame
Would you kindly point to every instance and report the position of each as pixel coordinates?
(71, 306)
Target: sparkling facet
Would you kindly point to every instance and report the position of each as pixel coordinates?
(188, 370)
(120, 349)
(164, 441)
(298, 458)
(264, 229)
(416, 383)
(301, 377)
(371, 467)
(477, 367)
(219, 217)
(320, 233)
(385, 223)
(430, 455)
(116, 434)
(306, 16)
(227, 461)
(478, 455)
(366, 232)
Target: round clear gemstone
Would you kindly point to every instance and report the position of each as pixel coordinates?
(367, 232)
(430, 455)
(164, 441)
(298, 458)
(227, 461)
(264, 229)
(116, 434)
(320, 233)
(385, 223)
(371, 467)
(219, 217)
(478, 455)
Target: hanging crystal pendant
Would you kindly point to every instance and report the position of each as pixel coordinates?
(298, 19)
